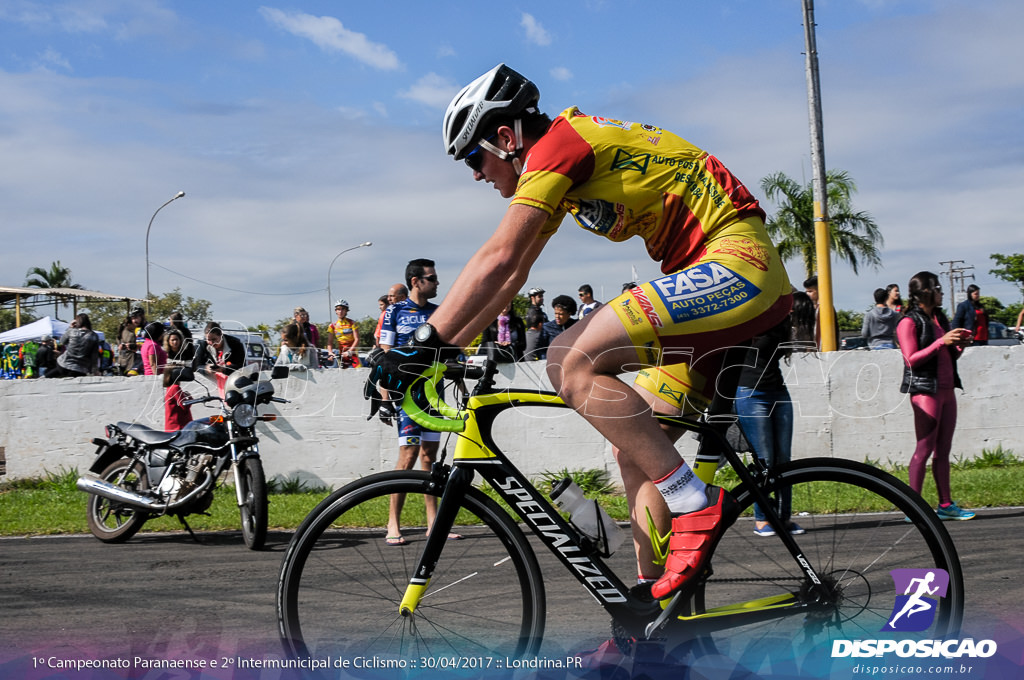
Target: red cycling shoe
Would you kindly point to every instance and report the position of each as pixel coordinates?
(693, 539)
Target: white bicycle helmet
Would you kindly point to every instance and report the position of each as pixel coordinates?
(499, 92)
(341, 303)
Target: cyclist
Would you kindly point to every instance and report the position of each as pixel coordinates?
(723, 284)
(344, 332)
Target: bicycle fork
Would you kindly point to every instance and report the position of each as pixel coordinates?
(459, 480)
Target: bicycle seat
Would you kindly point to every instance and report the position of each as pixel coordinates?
(147, 435)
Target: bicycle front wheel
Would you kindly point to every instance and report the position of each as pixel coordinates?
(341, 582)
(861, 524)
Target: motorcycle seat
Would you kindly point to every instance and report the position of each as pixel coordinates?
(147, 435)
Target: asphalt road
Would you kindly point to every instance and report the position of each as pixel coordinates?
(162, 594)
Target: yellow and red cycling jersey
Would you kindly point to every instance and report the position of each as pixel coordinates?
(344, 332)
(724, 281)
(620, 179)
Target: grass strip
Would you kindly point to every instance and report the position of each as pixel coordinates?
(52, 505)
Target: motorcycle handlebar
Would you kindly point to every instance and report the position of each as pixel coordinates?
(200, 400)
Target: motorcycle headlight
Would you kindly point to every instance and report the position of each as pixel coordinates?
(244, 415)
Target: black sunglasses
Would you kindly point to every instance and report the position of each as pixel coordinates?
(475, 158)
(432, 278)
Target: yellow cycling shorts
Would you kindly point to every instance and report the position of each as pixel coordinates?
(680, 323)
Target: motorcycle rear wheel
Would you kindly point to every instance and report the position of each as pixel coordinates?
(254, 505)
(112, 521)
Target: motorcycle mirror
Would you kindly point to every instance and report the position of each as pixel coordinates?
(279, 372)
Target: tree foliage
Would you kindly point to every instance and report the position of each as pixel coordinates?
(1011, 269)
(107, 315)
(1008, 315)
(854, 236)
(57, 276)
(849, 320)
(9, 321)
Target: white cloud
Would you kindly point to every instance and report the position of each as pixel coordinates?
(330, 35)
(51, 57)
(561, 73)
(432, 90)
(124, 19)
(535, 33)
(81, 19)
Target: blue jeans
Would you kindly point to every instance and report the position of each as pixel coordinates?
(766, 418)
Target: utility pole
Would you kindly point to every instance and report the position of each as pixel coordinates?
(826, 309)
(957, 275)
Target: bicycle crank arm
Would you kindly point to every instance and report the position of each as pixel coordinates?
(667, 613)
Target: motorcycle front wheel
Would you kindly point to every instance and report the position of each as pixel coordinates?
(112, 521)
(254, 503)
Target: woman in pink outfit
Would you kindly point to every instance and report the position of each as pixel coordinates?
(930, 351)
(154, 358)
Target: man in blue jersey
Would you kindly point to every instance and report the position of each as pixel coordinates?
(400, 320)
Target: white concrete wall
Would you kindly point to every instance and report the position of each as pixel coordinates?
(847, 404)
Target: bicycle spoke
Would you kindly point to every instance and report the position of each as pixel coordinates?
(341, 589)
(855, 535)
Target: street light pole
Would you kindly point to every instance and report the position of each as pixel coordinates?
(330, 300)
(176, 197)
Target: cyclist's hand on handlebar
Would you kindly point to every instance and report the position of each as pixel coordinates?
(398, 368)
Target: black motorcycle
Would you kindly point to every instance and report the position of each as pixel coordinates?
(141, 473)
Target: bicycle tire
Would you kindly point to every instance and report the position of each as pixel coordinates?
(340, 584)
(855, 535)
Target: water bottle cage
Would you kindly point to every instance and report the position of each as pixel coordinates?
(595, 544)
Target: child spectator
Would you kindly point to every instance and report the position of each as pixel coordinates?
(176, 414)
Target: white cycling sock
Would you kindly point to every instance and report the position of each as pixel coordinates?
(682, 490)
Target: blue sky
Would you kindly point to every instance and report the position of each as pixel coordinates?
(299, 130)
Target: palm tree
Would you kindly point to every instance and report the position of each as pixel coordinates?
(854, 236)
(55, 277)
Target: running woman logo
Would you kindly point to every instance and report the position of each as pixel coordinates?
(915, 608)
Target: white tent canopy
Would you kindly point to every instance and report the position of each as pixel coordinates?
(55, 328)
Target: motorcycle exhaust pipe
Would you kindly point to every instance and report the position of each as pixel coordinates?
(98, 487)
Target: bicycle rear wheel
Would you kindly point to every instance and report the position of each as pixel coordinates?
(341, 583)
(855, 517)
